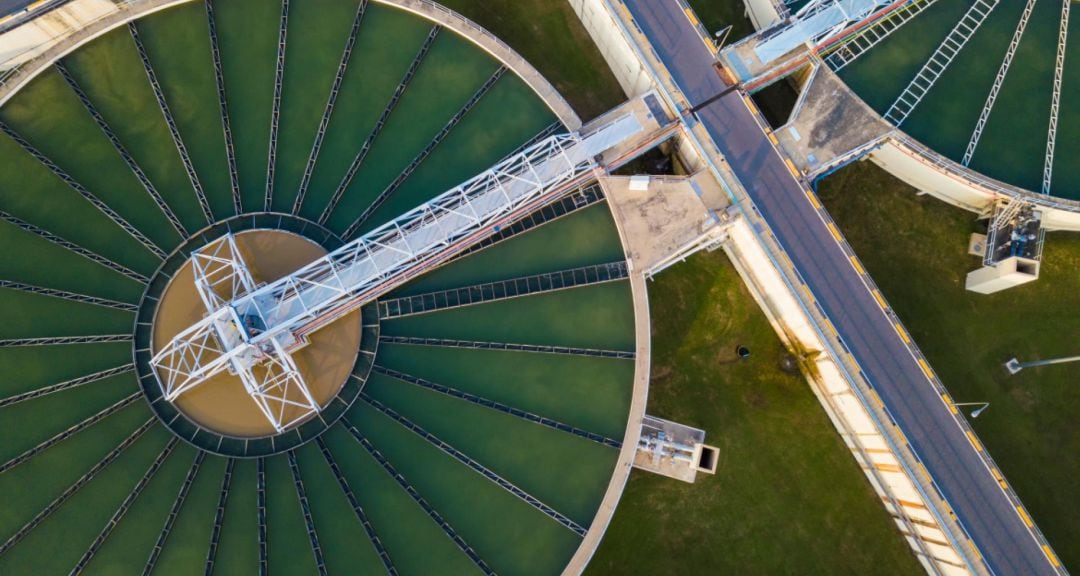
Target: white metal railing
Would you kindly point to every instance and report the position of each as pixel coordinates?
(998, 81)
(857, 45)
(1055, 101)
(261, 325)
(939, 61)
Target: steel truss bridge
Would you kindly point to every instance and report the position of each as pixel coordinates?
(251, 331)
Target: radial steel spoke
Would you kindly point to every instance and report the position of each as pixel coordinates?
(82, 191)
(226, 124)
(1055, 99)
(219, 516)
(73, 247)
(60, 340)
(361, 516)
(324, 122)
(419, 159)
(174, 130)
(124, 507)
(105, 302)
(128, 159)
(66, 385)
(275, 113)
(476, 466)
(403, 482)
(301, 495)
(78, 485)
(354, 167)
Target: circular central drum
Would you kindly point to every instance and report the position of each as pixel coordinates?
(221, 404)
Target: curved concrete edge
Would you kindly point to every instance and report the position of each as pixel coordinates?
(81, 33)
(921, 167)
(625, 462)
(71, 39)
(497, 49)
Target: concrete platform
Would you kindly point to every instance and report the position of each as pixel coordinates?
(828, 123)
(674, 217)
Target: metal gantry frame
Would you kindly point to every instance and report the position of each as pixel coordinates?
(252, 330)
(1055, 99)
(998, 81)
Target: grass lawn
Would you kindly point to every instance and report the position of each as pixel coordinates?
(787, 498)
(915, 248)
(549, 35)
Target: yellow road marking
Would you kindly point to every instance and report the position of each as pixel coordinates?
(858, 267)
(690, 14)
(813, 199)
(835, 232)
(880, 299)
(876, 397)
(791, 166)
(974, 441)
(997, 474)
(903, 333)
(1024, 516)
(772, 138)
(1050, 554)
(926, 368)
(952, 407)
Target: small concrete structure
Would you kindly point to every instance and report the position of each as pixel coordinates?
(674, 450)
(1007, 273)
(829, 124)
(672, 218)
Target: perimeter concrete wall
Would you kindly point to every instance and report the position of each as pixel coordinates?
(619, 54)
(961, 187)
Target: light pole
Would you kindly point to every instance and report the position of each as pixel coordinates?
(720, 36)
(982, 406)
(1014, 365)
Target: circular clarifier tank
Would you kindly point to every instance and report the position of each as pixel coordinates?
(993, 118)
(459, 430)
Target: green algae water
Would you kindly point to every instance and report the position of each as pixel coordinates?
(1013, 145)
(407, 478)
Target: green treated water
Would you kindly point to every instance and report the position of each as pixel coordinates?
(29, 423)
(186, 551)
(178, 42)
(101, 69)
(238, 552)
(313, 62)
(417, 545)
(510, 535)
(78, 522)
(289, 549)
(31, 367)
(385, 47)
(1013, 145)
(48, 114)
(248, 36)
(25, 253)
(345, 544)
(589, 317)
(126, 551)
(564, 471)
(579, 239)
(449, 75)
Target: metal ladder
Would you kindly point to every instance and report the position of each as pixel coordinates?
(870, 36)
(939, 61)
(1055, 102)
(998, 81)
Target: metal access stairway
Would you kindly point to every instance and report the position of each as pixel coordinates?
(855, 46)
(939, 61)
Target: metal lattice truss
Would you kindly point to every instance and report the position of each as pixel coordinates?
(817, 20)
(253, 333)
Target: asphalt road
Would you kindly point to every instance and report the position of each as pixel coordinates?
(1008, 547)
(9, 6)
